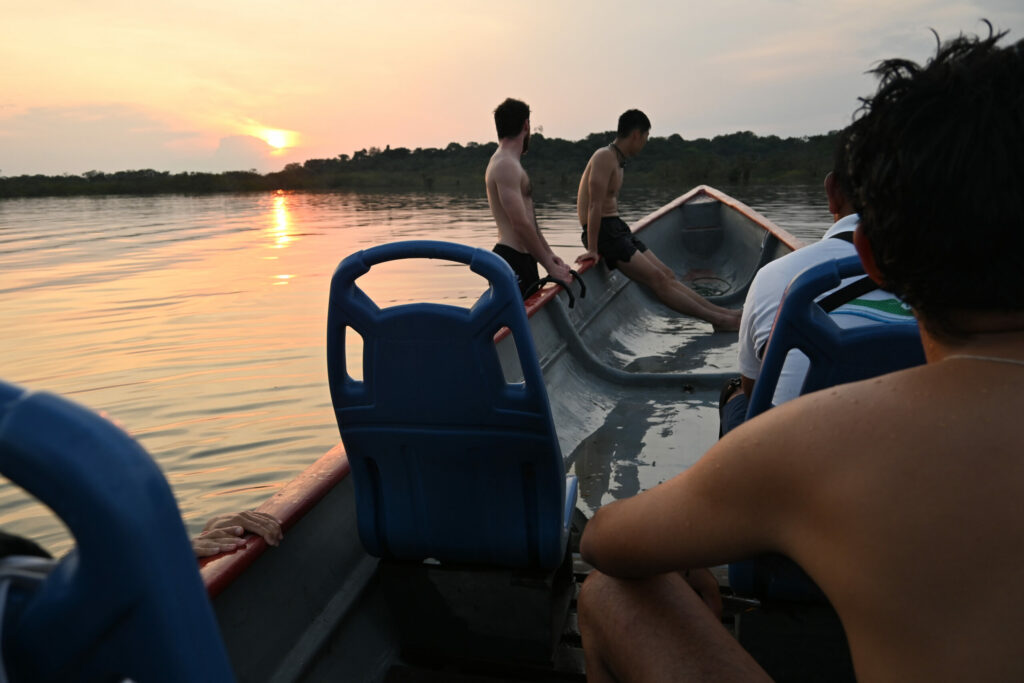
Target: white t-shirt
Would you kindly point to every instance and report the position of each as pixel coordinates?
(766, 292)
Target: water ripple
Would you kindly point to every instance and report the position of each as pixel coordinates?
(198, 323)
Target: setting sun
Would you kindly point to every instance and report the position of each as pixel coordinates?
(278, 139)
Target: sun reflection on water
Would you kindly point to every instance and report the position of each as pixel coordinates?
(281, 229)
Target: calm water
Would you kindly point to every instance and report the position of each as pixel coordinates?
(198, 323)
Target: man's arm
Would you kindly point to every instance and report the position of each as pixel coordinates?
(602, 166)
(507, 182)
(755, 328)
(739, 500)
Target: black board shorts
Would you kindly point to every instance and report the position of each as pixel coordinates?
(615, 241)
(523, 265)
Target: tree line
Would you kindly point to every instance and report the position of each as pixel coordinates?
(734, 159)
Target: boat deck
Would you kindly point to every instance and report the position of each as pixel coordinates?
(643, 432)
(636, 398)
(795, 642)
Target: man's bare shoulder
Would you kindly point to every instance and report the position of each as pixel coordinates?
(602, 164)
(504, 168)
(830, 425)
(603, 156)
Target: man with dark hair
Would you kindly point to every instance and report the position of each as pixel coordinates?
(607, 235)
(894, 493)
(510, 196)
(858, 307)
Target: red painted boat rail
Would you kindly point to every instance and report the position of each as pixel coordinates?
(288, 505)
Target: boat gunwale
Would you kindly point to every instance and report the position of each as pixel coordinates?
(303, 492)
(288, 505)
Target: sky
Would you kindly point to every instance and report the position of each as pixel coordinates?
(194, 85)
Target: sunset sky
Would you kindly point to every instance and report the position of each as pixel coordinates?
(210, 86)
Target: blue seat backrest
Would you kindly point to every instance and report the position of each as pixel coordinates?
(127, 602)
(450, 460)
(836, 355)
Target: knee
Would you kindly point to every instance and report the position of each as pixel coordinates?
(590, 593)
(596, 599)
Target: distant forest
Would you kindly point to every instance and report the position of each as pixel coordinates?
(735, 159)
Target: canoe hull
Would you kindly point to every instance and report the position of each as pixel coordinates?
(632, 387)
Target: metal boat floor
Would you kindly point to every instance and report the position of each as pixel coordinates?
(795, 642)
(642, 406)
(567, 665)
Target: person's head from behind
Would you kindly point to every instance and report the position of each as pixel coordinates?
(511, 117)
(632, 132)
(837, 182)
(937, 171)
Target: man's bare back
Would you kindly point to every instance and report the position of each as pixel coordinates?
(505, 165)
(908, 518)
(930, 499)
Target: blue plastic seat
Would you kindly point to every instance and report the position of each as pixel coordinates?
(127, 602)
(836, 356)
(450, 461)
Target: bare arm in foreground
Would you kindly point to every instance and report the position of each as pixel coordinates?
(884, 491)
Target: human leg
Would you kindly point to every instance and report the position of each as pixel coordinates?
(732, 407)
(643, 267)
(729, 314)
(656, 629)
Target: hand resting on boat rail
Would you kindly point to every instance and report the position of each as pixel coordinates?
(224, 533)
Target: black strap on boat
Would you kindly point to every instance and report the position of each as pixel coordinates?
(544, 280)
(845, 295)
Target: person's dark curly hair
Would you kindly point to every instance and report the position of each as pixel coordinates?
(936, 161)
(509, 117)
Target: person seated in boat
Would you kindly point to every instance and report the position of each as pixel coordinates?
(605, 234)
(510, 196)
(909, 483)
(862, 306)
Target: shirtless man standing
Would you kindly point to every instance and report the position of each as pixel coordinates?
(606, 234)
(908, 491)
(510, 197)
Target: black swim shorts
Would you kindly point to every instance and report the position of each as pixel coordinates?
(615, 241)
(523, 265)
